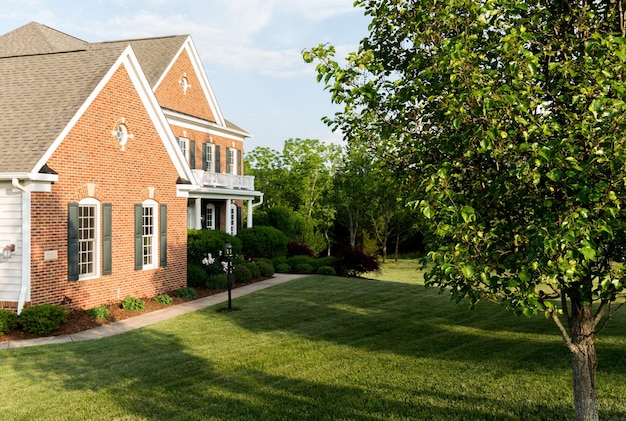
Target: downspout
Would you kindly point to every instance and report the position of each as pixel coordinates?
(252, 206)
(25, 244)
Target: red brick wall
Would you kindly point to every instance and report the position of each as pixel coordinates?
(90, 154)
(170, 94)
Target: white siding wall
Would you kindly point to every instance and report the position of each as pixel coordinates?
(10, 233)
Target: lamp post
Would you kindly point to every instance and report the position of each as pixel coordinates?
(228, 252)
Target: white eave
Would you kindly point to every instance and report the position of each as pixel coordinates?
(195, 123)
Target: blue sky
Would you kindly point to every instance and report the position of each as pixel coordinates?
(250, 49)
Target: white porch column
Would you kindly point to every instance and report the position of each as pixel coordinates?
(227, 225)
(249, 218)
(198, 214)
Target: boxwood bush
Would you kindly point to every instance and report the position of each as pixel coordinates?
(8, 320)
(202, 242)
(283, 268)
(263, 241)
(196, 275)
(241, 274)
(42, 318)
(325, 270)
(217, 281)
(185, 292)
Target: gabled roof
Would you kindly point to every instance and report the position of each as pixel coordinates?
(39, 95)
(35, 38)
(46, 76)
(154, 54)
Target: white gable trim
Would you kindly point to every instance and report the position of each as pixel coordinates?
(204, 81)
(129, 60)
(192, 123)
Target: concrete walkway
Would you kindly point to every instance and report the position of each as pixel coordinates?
(142, 320)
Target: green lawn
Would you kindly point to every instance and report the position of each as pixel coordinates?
(318, 348)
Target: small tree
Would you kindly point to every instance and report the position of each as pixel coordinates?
(507, 116)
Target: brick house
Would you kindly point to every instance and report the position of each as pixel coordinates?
(109, 152)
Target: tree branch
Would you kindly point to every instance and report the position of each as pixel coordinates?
(566, 339)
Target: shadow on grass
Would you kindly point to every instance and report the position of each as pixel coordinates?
(152, 376)
(155, 375)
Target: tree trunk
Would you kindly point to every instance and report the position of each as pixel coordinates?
(584, 363)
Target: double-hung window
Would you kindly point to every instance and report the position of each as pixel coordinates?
(150, 235)
(183, 143)
(87, 219)
(231, 161)
(208, 157)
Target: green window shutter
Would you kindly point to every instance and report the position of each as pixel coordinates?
(163, 235)
(217, 159)
(239, 218)
(239, 162)
(72, 241)
(107, 236)
(192, 154)
(204, 154)
(138, 237)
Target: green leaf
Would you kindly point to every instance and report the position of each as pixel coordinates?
(468, 214)
(468, 270)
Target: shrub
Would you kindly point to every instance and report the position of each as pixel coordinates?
(202, 242)
(100, 312)
(185, 292)
(355, 262)
(295, 261)
(133, 304)
(298, 249)
(8, 320)
(324, 261)
(260, 241)
(283, 268)
(42, 318)
(217, 281)
(266, 269)
(254, 269)
(241, 274)
(303, 268)
(196, 275)
(325, 270)
(163, 299)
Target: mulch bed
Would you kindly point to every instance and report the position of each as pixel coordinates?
(78, 320)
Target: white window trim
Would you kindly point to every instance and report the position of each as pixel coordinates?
(233, 219)
(96, 240)
(210, 159)
(155, 234)
(183, 144)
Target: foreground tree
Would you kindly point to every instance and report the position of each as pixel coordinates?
(508, 117)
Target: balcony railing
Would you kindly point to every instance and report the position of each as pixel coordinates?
(225, 181)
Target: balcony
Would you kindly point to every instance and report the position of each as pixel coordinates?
(224, 181)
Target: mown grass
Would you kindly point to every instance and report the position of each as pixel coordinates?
(318, 348)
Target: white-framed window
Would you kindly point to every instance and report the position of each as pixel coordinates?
(150, 233)
(209, 157)
(88, 238)
(231, 161)
(209, 217)
(183, 143)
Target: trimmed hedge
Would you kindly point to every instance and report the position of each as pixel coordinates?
(8, 320)
(42, 319)
(263, 241)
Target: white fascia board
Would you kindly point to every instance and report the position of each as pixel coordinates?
(199, 70)
(193, 123)
(29, 176)
(207, 193)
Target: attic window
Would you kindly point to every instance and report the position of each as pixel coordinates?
(184, 83)
(121, 133)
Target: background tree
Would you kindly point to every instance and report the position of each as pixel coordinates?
(508, 117)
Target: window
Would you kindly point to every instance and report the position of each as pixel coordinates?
(183, 143)
(210, 217)
(150, 235)
(121, 133)
(84, 249)
(208, 157)
(231, 161)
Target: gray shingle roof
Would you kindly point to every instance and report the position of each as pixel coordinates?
(35, 38)
(39, 94)
(154, 54)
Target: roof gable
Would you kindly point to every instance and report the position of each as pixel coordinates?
(35, 38)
